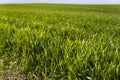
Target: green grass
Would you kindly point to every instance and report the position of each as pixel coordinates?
(60, 42)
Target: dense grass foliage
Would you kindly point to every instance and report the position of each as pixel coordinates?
(60, 42)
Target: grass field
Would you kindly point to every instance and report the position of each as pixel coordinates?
(59, 42)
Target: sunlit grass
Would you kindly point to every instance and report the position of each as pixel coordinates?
(73, 42)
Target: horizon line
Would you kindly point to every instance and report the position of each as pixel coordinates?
(63, 3)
